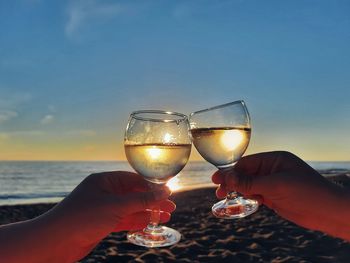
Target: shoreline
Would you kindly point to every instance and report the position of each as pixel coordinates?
(342, 179)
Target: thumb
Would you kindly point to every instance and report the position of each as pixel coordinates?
(140, 201)
(245, 184)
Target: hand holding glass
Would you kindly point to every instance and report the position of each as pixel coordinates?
(157, 146)
(221, 135)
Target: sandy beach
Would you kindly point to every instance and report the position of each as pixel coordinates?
(262, 237)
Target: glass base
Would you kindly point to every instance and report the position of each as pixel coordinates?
(159, 236)
(237, 207)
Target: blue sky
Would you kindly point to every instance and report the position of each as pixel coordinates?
(72, 71)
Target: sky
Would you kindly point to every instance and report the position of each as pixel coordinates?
(72, 71)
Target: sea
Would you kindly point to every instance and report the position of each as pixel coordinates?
(28, 182)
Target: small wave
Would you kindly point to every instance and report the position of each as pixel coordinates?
(334, 171)
(33, 195)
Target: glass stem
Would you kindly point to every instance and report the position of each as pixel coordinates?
(153, 225)
(155, 216)
(231, 195)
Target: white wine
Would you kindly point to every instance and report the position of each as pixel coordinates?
(221, 146)
(157, 163)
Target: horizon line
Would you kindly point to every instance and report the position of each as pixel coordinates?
(124, 160)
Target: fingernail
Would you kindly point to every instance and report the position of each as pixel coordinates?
(168, 190)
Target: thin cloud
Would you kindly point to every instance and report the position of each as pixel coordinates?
(86, 133)
(6, 115)
(11, 100)
(38, 133)
(51, 108)
(28, 133)
(25, 133)
(89, 148)
(4, 137)
(47, 119)
(81, 12)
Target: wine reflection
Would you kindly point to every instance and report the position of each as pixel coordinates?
(231, 139)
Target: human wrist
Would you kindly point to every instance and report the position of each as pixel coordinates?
(61, 238)
(339, 214)
(343, 231)
(41, 239)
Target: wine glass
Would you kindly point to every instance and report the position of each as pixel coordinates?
(221, 135)
(157, 145)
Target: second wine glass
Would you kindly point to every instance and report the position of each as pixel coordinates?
(157, 145)
(221, 135)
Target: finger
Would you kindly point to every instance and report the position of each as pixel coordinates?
(247, 184)
(218, 177)
(139, 220)
(258, 164)
(139, 201)
(221, 192)
(164, 217)
(257, 198)
(167, 206)
(126, 181)
(231, 179)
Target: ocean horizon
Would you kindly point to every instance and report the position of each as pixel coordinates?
(28, 182)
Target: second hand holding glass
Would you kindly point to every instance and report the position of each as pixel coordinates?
(221, 135)
(157, 145)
